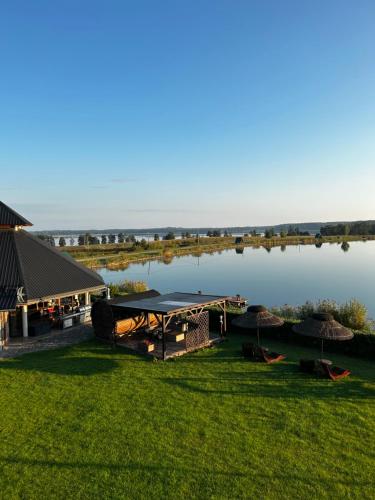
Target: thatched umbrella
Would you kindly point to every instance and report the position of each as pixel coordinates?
(257, 317)
(323, 326)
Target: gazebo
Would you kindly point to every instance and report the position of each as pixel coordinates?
(174, 323)
(38, 281)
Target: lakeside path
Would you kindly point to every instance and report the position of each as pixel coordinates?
(120, 255)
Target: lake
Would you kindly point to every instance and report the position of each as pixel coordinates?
(290, 276)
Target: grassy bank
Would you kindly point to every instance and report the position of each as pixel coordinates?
(92, 422)
(119, 255)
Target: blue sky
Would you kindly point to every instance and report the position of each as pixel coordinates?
(195, 113)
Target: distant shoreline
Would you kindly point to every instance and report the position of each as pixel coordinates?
(312, 227)
(120, 255)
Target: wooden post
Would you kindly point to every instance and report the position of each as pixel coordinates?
(225, 318)
(6, 329)
(2, 329)
(164, 339)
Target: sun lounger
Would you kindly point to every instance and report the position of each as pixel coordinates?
(258, 353)
(334, 372)
(323, 369)
(272, 357)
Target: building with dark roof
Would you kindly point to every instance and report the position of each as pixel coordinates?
(35, 277)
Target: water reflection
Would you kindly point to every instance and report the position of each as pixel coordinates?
(345, 246)
(293, 276)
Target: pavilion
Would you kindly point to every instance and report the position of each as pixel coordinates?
(37, 281)
(173, 323)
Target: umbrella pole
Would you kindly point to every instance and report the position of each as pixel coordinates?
(321, 354)
(258, 335)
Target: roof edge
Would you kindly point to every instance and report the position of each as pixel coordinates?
(22, 221)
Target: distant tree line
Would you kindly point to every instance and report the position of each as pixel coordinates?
(89, 239)
(291, 231)
(47, 238)
(216, 233)
(350, 229)
(104, 239)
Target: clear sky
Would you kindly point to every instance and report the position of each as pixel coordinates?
(187, 112)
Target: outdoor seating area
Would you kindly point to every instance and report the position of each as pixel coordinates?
(162, 326)
(169, 325)
(143, 343)
(320, 325)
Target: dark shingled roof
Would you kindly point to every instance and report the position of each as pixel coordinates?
(42, 271)
(10, 275)
(8, 299)
(10, 218)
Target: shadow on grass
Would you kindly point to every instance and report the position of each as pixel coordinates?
(165, 470)
(61, 365)
(84, 359)
(274, 381)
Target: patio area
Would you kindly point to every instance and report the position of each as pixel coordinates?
(54, 339)
(138, 341)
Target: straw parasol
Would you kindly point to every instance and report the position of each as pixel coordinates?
(257, 317)
(323, 326)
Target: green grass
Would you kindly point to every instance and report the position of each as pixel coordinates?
(91, 422)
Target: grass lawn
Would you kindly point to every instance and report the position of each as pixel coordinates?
(90, 422)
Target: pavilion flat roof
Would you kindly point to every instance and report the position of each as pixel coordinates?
(170, 303)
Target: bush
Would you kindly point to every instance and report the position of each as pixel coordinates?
(126, 287)
(351, 314)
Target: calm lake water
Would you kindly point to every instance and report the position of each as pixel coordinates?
(292, 276)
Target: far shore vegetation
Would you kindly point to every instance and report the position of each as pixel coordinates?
(95, 252)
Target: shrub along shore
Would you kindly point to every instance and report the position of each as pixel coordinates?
(120, 255)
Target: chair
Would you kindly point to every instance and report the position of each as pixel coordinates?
(334, 372)
(258, 353)
(322, 369)
(271, 357)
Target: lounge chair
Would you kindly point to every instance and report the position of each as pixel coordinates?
(258, 353)
(334, 372)
(322, 369)
(271, 357)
